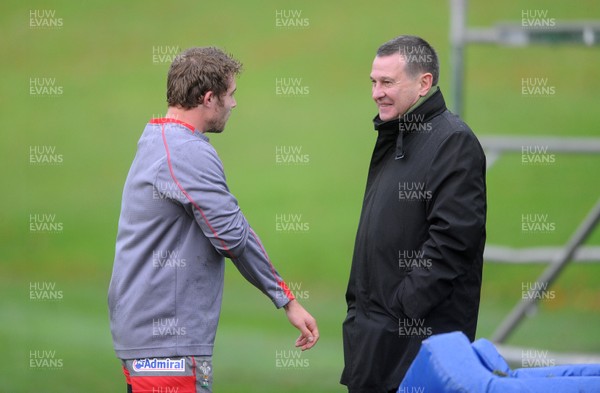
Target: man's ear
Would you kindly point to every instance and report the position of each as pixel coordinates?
(425, 82)
(208, 99)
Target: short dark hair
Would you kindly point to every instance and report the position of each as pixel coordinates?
(420, 57)
(196, 71)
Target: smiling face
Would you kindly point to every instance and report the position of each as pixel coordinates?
(394, 91)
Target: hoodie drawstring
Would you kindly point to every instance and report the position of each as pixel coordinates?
(400, 145)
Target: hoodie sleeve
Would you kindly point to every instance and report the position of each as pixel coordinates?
(456, 217)
(195, 170)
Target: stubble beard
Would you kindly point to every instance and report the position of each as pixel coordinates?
(218, 125)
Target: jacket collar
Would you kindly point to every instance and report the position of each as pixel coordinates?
(407, 123)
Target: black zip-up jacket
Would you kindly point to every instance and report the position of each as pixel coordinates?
(418, 255)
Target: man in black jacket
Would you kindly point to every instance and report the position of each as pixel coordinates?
(418, 254)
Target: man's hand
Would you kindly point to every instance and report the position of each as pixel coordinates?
(303, 321)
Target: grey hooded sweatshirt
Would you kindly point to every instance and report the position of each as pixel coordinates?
(178, 222)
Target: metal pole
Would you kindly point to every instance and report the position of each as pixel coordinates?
(549, 275)
(458, 23)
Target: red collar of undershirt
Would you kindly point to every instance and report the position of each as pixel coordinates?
(165, 120)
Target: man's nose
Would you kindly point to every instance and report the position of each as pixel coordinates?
(377, 92)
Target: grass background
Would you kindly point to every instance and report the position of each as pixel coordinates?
(102, 57)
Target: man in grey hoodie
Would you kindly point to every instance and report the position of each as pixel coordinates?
(178, 223)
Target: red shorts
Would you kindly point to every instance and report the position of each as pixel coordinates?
(187, 374)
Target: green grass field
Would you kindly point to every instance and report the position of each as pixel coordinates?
(110, 85)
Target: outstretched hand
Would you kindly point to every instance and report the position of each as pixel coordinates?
(303, 321)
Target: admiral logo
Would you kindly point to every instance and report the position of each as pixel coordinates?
(158, 365)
